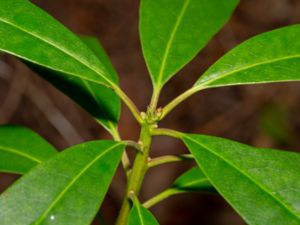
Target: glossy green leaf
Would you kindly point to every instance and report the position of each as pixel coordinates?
(60, 57)
(139, 215)
(37, 37)
(99, 51)
(108, 107)
(65, 190)
(270, 57)
(262, 185)
(21, 149)
(192, 180)
(174, 31)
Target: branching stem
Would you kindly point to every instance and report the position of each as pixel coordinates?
(141, 164)
(137, 174)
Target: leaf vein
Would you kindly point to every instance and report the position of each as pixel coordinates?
(66, 52)
(199, 181)
(138, 207)
(261, 186)
(17, 152)
(215, 77)
(169, 43)
(57, 199)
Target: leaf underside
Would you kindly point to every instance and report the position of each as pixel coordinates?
(193, 180)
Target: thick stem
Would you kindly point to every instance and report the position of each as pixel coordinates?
(138, 172)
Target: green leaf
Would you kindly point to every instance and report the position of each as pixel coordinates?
(139, 215)
(173, 31)
(262, 185)
(107, 112)
(37, 37)
(60, 57)
(192, 180)
(99, 51)
(65, 190)
(21, 149)
(270, 57)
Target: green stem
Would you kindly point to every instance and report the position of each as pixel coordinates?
(169, 159)
(155, 98)
(125, 159)
(169, 107)
(133, 144)
(138, 172)
(161, 196)
(131, 106)
(114, 133)
(167, 132)
(126, 164)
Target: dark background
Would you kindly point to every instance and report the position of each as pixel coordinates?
(261, 115)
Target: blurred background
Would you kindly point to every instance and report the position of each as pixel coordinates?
(261, 115)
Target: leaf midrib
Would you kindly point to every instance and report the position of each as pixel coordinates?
(61, 49)
(58, 198)
(138, 207)
(261, 186)
(18, 152)
(169, 43)
(218, 77)
(199, 181)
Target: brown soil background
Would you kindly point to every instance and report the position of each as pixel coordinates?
(249, 114)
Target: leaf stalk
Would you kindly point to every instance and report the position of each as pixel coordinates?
(129, 103)
(161, 196)
(166, 132)
(169, 159)
(169, 107)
